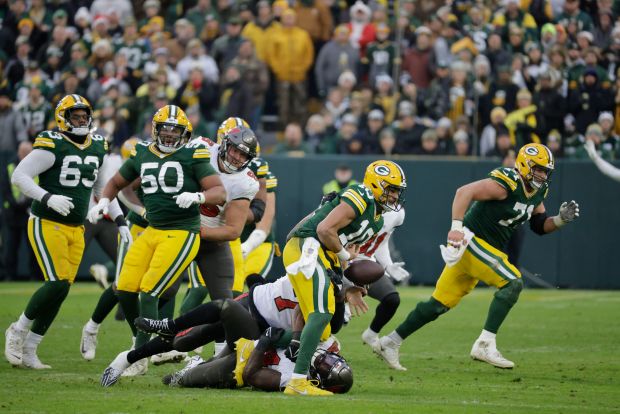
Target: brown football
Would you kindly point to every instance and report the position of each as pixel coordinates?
(364, 272)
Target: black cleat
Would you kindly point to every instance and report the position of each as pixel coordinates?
(155, 326)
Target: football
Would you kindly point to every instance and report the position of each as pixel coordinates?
(364, 272)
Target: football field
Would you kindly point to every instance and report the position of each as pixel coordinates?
(566, 345)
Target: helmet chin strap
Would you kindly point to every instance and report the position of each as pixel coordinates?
(166, 149)
(81, 131)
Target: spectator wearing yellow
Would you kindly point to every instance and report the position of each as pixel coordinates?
(521, 123)
(258, 30)
(512, 14)
(314, 17)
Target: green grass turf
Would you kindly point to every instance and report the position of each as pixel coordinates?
(565, 345)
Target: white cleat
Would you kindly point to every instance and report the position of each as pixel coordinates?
(168, 357)
(30, 360)
(88, 344)
(486, 351)
(100, 273)
(370, 338)
(14, 345)
(388, 350)
(174, 379)
(113, 372)
(137, 368)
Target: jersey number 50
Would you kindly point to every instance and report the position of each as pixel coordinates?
(150, 182)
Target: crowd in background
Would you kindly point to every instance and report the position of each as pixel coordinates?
(409, 77)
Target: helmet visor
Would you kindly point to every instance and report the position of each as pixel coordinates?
(540, 175)
(170, 135)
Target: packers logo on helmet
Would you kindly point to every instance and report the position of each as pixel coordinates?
(171, 128)
(228, 124)
(69, 120)
(535, 164)
(386, 180)
(128, 146)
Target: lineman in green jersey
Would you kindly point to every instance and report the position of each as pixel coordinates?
(322, 242)
(67, 163)
(502, 202)
(175, 177)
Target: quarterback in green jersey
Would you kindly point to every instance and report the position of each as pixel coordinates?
(67, 162)
(328, 237)
(175, 177)
(499, 204)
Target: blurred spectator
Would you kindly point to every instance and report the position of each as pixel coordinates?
(315, 134)
(314, 17)
(408, 132)
(122, 7)
(12, 126)
(254, 73)
(602, 32)
(512, 15)
(16, 67)
(198, 14)
(438, 91)
(387, 142)
(573, 18)
(15, 214)
(345, 137)
(429, 144)
(572, 139)
(502, 93)
(235, 95)
(293, 144)
(361, 29)
(476, 27)
(196, 56)
(489, 133)
(112, 125)
(503, 144)
(201, 128)
(161, 57)
(37, 113)
(258, 30)
(588, 100)
(498, 56)
(594, 133)
(444, 135)
(550, 104)
(225, 47)
(554, 143)
(521, 122)
(343, 177)
(380, 57)
(290, 56)
(369, 134)
(386, 98)
(418, 60)
(461, 143)
(606, 122)
(198, 91)
(334, 58)
(335, 106)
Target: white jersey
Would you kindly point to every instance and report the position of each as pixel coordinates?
(377, 247)
(276, 302)
(240, 185)
(276, 360)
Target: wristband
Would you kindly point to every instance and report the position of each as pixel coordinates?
(45, 198)
(457, 225)
(343, 255)
(557, 220)
(201, 198)
(120, 221)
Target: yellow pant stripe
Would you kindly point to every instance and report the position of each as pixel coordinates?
(43, 251)
(182, 256)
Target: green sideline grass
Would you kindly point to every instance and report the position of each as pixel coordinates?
(565, 345)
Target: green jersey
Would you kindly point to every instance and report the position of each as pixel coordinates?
(137, 52)
(165, 176)
(494, 221)
(272, 184)
(368, 220)
(73, 174)
(134, 217)
(259, 167)
(36, 117)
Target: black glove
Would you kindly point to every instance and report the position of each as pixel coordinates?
(328, 197)
(270, 337)
(292, 351)
(336, 278)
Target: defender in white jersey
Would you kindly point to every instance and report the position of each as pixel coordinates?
(383, 290)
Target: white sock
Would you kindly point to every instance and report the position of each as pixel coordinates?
(92, 326)
(24, 323)
(487, 336)
(394, 336)
(219, 346)
(133, 343)
(32, 342)
(371, 332)
(298, 376)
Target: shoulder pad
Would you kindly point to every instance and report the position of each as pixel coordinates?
(50, 134)
(358, 195)
(272, 181)
(97, 137)
(200, 151)
(46, 140)
(505, 176)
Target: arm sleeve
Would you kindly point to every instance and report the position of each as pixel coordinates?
(606, 168)
(382, 254)
(34, 164)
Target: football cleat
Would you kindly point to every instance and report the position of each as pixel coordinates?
(31, 360)
(100, 273)
(155, 326)
(244, 350)
(137, 368)
(168, 357)
(174, 379)
(370, 337)
(388, 350)
(113, 372)
(88, 344)
(14, 345)
(486, 351)
(304, 386)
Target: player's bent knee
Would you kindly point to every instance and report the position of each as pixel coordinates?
(432, 309)
(510, 291)
(392, 300)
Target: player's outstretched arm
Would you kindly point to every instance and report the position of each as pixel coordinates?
(327, 230)
(603, 166)
(234, 220)
(541, 224)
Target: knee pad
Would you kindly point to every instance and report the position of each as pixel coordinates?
(392, 300)
(510, 291)
(432, 309)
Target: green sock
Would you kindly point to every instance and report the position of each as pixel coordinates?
(148, 309)
(497, 313)
(42, 322)
(193, 298)
(423, 313)
(45, 297)
(284, 340)
(166, 308)
(107, 302)
(130, 306)
(310, 337)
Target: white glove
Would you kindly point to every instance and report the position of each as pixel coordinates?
(60, 204)
(255, 239)
(451, 254)
(186, 200)
(591, 149)
(125, 234)
(98, 211)
(397, 271)
(568, 212)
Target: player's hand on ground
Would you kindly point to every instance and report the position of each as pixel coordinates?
(98, 211)
(186, 200)
(569, 211)
(397, 271)
(125, 234)
(354, 297)
(60, 204)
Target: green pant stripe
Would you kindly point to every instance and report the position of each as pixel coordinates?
(193, 275)
(122, 252)
(38, 248)
(168, 274)
(321, 287)
(493, 261)
(265, 270)
(46, 257)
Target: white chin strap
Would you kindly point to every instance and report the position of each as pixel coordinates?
(231, 169)
(535, 184)
(166, 149)
(81, 131)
